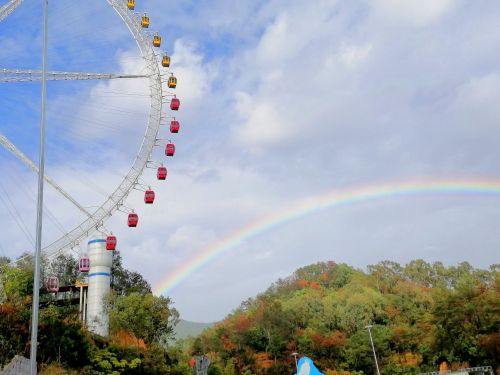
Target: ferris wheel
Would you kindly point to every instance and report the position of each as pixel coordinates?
(161, 83)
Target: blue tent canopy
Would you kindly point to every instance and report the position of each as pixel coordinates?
(306, 367)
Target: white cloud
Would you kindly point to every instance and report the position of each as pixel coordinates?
(282, 101)
(475, 105)
(277, 43)
(352, 55)
(263, 255)
(261, 123)
(194, 78)
(190, 237)
(413, 12)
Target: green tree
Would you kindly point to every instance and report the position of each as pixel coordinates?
(358, 353)
(60, 339)
(215, 369)
(4, 261)
(18, 278)
(420, 272)
(114, 361)
(14, 330)
(148, 317)
(275, 322)
(467, 322)
(124, 282)
(356, 306)
(64, 267)
(386, 274)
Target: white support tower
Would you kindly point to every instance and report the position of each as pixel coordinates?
(98, 284)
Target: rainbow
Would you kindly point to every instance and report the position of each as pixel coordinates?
(313, 204)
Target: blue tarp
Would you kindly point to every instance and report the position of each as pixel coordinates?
(306, 367)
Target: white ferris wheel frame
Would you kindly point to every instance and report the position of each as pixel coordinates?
(96, 220)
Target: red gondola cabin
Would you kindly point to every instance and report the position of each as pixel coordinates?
(53, 284)
(111, 242)
(149, 196)
(174, 126)
(161, 174)
(84, 264)
(170, 149)
(133, 219)
(175, 104)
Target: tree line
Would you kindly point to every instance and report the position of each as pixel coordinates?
(140, 324)
(423, 315)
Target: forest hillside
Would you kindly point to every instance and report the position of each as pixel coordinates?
(423, 316)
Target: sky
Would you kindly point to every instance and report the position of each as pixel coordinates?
(281, 101)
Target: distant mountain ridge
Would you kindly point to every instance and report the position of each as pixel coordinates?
(186, 328)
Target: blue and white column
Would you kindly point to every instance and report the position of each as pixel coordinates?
(99, 284)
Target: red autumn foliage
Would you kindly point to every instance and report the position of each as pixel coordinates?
(242, 323)
(124, 338)
(262, 360)
(314, 285)
(302, 283)
(192, 362)
(333, 340)
(227, 344)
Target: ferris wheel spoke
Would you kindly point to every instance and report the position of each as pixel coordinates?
(21, 75)
(9, 146)
(8, 8)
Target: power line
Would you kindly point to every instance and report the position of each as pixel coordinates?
(15, 215)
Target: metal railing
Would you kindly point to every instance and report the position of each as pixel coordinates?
(482, 370)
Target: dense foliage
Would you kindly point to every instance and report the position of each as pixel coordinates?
(422, 315)
(140, 325)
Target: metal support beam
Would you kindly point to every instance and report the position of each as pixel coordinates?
(8, 145)
(39, 206)
(369, 327)
(21, 75)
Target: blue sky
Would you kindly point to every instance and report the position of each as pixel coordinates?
(281, 100)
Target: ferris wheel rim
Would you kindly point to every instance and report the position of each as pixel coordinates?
(8, 8)
(116, 199)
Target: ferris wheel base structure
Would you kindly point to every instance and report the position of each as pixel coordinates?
(99, 283)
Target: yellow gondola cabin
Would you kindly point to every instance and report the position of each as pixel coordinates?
(145, 21)
(172, 82)
(165, 61)
(156, 40)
